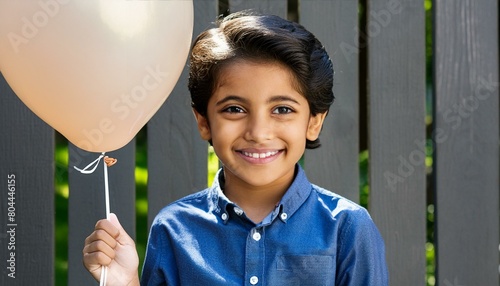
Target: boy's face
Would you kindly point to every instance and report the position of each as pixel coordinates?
(258, 123)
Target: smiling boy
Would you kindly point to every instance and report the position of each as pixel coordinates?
(258, 126)
(261, 88)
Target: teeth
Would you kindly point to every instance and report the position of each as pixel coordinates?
(260, 155)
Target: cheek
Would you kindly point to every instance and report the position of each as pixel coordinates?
(224, 127)
(226, 132)
(296, 129)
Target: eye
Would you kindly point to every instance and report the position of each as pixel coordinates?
(233, 109)
(282, 110)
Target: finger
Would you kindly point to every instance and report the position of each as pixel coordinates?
(94, 260)
(101, 235)
(102, 227)
(99, 246)
(122, 237)
(99, 252)
(109, 227)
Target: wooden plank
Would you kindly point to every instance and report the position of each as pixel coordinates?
(86, 203)
(26, 161)
(177, 157)
(335, 164)
(396, 86)
(466, 135)
(276, 7)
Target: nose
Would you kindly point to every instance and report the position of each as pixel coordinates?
(259, 128)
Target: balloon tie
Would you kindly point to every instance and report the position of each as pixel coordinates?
(108, 162)
(86, 169)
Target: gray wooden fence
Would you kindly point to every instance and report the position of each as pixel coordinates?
(384, 60)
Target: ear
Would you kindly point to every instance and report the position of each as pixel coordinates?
(315, 125)
(203, 126)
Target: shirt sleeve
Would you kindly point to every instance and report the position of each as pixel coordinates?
(152, 271)
(361, 252)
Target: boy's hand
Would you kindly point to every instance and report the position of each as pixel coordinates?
(111, 246)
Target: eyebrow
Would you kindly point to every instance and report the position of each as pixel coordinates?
(236, 98)
(279, 98)
(231, 98)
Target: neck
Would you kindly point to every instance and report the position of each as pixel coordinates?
(256, 201)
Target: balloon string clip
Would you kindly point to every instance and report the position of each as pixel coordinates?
(110, 161)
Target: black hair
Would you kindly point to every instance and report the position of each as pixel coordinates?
(261, 38)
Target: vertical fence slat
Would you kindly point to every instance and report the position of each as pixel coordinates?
(335, 164)
(177, 156)
(466, 138)
(26, 151)
(86, 202)
(396, 71)
(276, 7)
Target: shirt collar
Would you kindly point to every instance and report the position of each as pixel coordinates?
(294, 197)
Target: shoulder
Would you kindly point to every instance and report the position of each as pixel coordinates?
(338, 205)
(352, 219)
(355, 222)
(190, 205)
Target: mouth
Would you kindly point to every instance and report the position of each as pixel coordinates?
(259, 155)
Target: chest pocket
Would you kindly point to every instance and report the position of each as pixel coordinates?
(306, 270)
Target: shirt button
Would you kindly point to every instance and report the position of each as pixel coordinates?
(254, 280)
(238, 211)
(256, 236)
(224, 216)
(284, 216)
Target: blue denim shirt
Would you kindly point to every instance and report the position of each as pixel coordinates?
(313, 237)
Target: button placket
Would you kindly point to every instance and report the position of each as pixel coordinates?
(255, 252)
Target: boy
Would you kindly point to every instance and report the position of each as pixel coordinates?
(261, 88)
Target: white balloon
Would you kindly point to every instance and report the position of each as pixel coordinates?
(95, 70)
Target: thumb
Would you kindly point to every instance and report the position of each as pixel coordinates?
(123, 237)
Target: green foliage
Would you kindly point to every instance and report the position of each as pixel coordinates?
(61, 215)
(364, 187)
(141, 199)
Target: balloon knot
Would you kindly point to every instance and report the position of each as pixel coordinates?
(110, 161)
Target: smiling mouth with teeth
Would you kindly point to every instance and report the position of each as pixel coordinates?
(260, 155)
